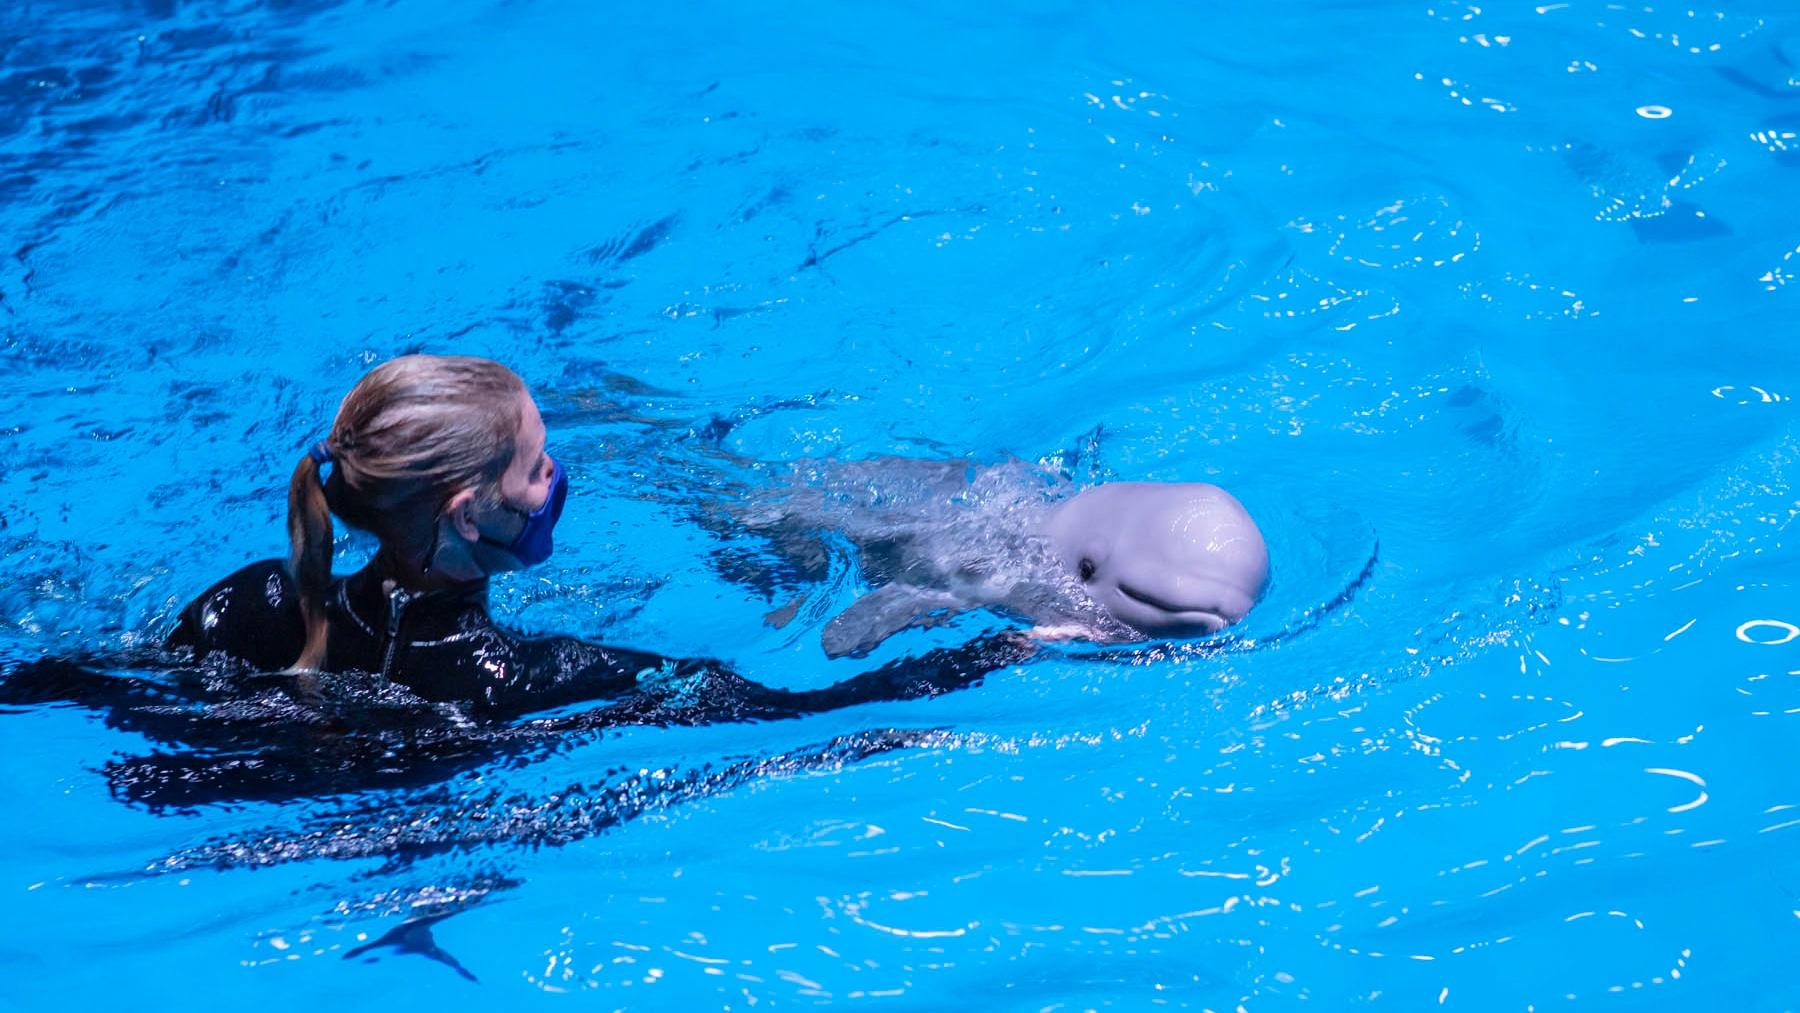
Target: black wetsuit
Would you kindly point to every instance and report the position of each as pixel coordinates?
(443, 646)
(415, 687)
(440, 645)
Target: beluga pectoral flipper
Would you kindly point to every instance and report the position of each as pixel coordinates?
(885, 611)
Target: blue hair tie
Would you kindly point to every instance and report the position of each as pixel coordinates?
(321, 453)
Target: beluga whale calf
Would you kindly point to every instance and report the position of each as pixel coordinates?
(1113, 563)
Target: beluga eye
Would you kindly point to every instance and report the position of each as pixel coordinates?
(1087, 570)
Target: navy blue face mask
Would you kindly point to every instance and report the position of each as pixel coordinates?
(533, 544)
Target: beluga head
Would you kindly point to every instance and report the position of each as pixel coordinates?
(1168, 559)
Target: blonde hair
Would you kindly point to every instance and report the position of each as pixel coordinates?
(408, 436)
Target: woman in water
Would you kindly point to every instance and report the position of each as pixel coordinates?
(443, 459)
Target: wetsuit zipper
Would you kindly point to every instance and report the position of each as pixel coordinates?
(398, 599)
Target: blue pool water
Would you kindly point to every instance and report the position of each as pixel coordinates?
(1504, 296)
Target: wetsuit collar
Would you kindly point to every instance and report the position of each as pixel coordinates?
(429, 615)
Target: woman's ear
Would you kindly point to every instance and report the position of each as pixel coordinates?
(461, 513)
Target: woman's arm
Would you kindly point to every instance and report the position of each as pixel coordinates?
(700, 691)
(540, 673)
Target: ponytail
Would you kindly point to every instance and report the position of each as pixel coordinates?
(309, 562)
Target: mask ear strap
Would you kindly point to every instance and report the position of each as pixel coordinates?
(508, 546)
(431, 551)
(437, 526)
(497, 543)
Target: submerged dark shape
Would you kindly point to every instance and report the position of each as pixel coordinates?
(620, 248)
(1679, 222)
(443, 820)
(414, 936)
(438, 821)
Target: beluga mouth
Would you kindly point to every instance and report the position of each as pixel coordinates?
(1213, 619)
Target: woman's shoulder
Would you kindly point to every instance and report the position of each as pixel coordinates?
(253, 615)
